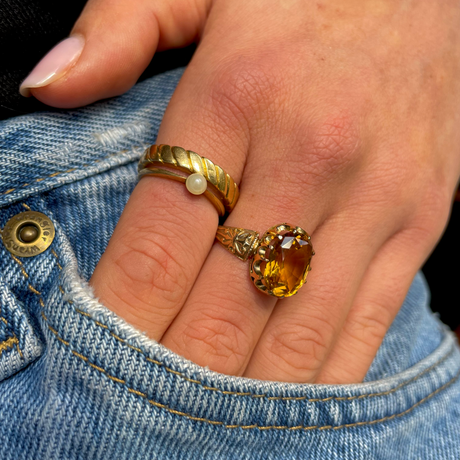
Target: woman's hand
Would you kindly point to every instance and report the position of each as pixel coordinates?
(341, 117)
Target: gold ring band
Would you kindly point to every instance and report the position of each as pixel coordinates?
(223, 192)
(279, 261)
(165, 173)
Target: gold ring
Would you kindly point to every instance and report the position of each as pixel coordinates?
(279, 260)
(204, 177)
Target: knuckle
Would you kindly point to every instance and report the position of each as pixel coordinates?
(431, 212)
(334, 143)
(298, 348)
(316, 153)
(240, 90)
(148, 269)
(325, 149)
(220, 340)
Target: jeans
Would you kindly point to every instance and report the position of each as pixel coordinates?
(79, 382)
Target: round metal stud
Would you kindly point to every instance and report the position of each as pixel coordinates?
(28, 234)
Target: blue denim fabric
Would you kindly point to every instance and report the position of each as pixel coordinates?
(78, 382)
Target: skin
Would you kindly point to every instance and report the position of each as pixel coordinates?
(338, 116)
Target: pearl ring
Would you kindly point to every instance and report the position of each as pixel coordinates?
(204, 177)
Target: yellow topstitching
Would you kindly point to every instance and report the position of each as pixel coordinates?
(9, 343)
(254, 426)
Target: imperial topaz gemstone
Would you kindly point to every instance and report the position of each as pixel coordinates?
(282, 261)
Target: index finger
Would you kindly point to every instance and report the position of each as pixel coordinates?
(165, 233)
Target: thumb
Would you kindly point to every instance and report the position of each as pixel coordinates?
(109, 47)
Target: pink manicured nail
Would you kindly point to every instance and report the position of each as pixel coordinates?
(54, 64)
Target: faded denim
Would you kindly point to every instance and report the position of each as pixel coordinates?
(78, 382)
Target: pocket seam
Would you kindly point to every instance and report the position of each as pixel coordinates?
(198, 382)
(253, 426)
(248, 394)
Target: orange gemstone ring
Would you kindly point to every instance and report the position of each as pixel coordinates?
(279, 261)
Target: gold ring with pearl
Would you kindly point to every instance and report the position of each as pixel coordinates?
(204, 177)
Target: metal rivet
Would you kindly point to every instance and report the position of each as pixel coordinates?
(28, 234)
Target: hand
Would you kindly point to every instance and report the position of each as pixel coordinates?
(340, 117)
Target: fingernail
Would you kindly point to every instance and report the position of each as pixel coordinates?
(54, 65)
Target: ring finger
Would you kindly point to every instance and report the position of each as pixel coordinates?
(302, 330)
(224, 316)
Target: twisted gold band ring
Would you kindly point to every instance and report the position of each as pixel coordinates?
(204, 177)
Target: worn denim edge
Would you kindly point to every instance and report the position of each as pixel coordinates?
(81, 293)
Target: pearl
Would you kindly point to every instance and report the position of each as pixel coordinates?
(196, 184)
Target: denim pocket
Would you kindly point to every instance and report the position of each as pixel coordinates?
(143, 401)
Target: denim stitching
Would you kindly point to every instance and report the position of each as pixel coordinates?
(10, 342)
(254, 426)
(56, 256)
(21, 266)
(274, 398)
(225, 392)
(30, 287)
(14, 339)
(34, 290)
(68, 170)
(249, 394)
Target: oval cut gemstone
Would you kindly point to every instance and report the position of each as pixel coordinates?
(288, 262)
